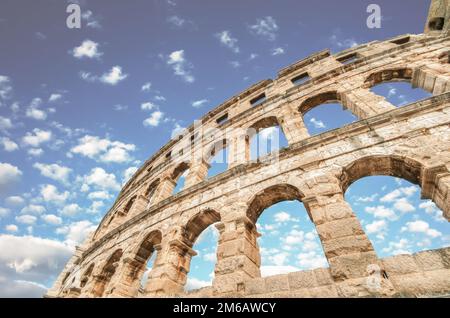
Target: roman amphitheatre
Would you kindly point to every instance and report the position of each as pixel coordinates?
(410, 142)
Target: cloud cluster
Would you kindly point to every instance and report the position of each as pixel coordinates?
(103, 149)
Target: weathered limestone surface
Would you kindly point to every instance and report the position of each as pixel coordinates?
(411, 142)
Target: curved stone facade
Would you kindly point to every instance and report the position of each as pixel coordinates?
(411, 142)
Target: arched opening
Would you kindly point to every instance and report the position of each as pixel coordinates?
(436, 24)
(385, 194)
(179, 176)
(86, 275)
(201, 234)
(265, 137)
(128, 206)
(395, 85)
(141, 264)
(217, 158)
(107, 273)
(150, 192)
(325, 112)
(289, 241)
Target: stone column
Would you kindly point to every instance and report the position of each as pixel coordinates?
(364, 104)
(139, 205)
(293, 126)
(436, 187)
(432, 77)
(238, 256)
(346, 246)
(169, 273)
(165, 189)
(239, 150)
(197, 173)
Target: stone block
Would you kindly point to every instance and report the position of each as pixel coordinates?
(400, 264)
(429, 260)
(303, 279)
(277, 283)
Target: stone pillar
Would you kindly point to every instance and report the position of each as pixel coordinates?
(293, 126)
(239, 150)
(438, 16)
(364, 104)
(164, 190)
(436, 187)
(432, 77)
(238, 256)
(346, 246)
(139, 205)
(169, 273)
(128, 282)
(197, 173)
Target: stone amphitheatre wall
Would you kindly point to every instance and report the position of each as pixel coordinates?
(411, 142)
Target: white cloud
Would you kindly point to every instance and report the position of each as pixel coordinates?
(36, 113)
(33, 209)
(9, 174)
(8, 144)
(146, 87)
(227, 40)
(37, 137)
(15, 200)
(128, 173)
(54, 97)
(71, 210)
(5, 87)
(91, 21)
(76, 232)
(114, 76)
(99, 178)
(148, 106)
(367, 198)
(194, 283)
(376, 227)
(99, 195)
(103, 150)
(27, 262)
(393, 195)
(270, 270)
(278, 51)
(4, 212)
(400, 247)
(26, 219)
(382, 212)
(265, 27)
(283, 216)
(339, 41)
(176, 21)
(420, 226)
(431, 209)
(310, 260)
(35, 152)
(210, 257)
(51, 194)
(51, 219)
(5, 123)
(154, 119)
(87, 49)
(54, 171)
(235, 64)
(317, 123)
(180, 66)
(11, 228)
(294, 237)
(199, 103)
(96, 207)
(403, 205)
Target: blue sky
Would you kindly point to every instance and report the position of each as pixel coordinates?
(80, 110)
